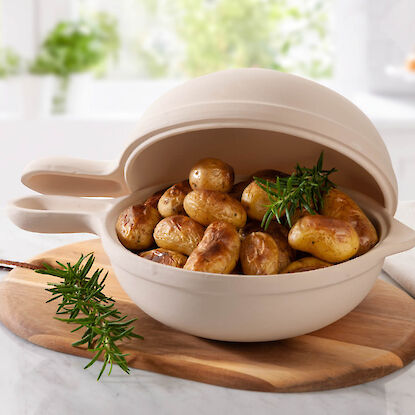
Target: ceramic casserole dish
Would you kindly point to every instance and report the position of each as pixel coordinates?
(253, 119)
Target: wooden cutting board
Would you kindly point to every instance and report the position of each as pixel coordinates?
(375, 339)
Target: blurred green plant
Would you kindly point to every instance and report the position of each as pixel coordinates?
(76, 47)
(287, 35)
(10, 63)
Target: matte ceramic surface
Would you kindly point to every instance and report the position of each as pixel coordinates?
(221, 307)
(253, 119)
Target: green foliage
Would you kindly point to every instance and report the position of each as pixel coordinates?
(82, 300)
(77, 46)
(287, 35)
(304, 189)
(9, 63)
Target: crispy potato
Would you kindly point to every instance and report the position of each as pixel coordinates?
(218, 251)
(153, 200)
(305, 264)
(280, 235)
(165, 256)
(238, 188)
(332, 240)
(211, 174)
(171, 202)
(337, 204)
(178, 233)
(259, 254)
(207, 206)
(255, 201)
(135, 226)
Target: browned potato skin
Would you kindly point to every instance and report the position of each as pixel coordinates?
(153, 200)
(280, 236)
(135, 226)
(207, 206)
(171, 202)
(337, 204)
(178, 233)
(332, 240)
(218, 251)
(238, 188)
(165, 256)
(211, 174)
(254, 200)
(259, 254)
(305, 264)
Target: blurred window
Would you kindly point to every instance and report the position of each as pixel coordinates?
(184, 38)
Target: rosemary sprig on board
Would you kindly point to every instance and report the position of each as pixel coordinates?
(83, 302)
(304, 189)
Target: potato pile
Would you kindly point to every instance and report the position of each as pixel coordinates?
(207, 223)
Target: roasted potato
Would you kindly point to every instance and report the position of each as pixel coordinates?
(259, 254)
(218, 251)
(238, 188)
(207, 206)
(305, 264)
(178, 233)
(280, 235)
(171, 202)
(153, 200)
(255, 201)
(135, 226)
(211, 174)
(165, 256)
(339, 205)
(332, 240)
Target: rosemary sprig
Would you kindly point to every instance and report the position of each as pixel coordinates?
(83, 301)
(304, 189)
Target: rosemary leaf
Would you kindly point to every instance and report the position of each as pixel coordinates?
(303, 190)
(82, 295)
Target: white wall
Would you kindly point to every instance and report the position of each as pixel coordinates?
(369, 36)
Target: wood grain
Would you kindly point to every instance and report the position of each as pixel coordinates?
(375, 339)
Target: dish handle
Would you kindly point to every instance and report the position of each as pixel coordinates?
(400, 238)
(75, 177)
(58, 214)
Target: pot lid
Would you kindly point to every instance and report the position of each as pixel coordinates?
(251, 118)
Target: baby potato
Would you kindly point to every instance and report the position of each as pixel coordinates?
(280, 235)
(259, 254)
(339, 205)
(332, 240)
(238, 188)
(255, 201)
(207, 206)
(171, 202)
(305, 264)
(178, 233)
(165, 256)
(135, 226)
(153, 200)
(218, 251)
(211, 174)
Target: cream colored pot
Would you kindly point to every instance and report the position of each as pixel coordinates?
(253, 119)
